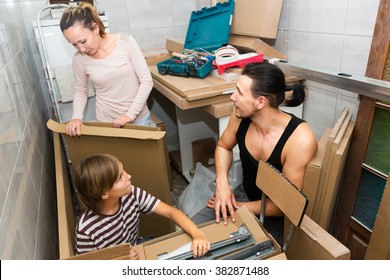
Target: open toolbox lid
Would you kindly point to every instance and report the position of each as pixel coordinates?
(209, 28)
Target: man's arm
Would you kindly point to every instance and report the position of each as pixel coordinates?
(224, 198)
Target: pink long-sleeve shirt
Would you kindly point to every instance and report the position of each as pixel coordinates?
(122, 82)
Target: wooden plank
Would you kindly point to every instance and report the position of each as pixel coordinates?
(325, 163)
(183, 103)
(194, 88)
(334, 178)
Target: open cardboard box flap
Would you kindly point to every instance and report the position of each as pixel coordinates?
(106, 130)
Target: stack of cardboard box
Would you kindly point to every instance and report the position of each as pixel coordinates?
(324, 172)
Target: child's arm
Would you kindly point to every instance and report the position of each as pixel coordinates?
(133, 254)
(200, 244)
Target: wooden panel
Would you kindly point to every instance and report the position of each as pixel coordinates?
(335, 173)
(380, 45)
(182, 102)
(194, 88)
(326, 162)
(282, 192)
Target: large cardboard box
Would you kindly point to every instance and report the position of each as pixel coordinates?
(258, 18)
(312, 242)
(144, 155)
(253, 44)
(203, 151)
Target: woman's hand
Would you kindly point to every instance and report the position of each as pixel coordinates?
(121, 121)
(73, 127)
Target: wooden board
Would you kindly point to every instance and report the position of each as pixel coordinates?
(193, 89)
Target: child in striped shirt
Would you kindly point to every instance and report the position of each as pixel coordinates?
(114, 206)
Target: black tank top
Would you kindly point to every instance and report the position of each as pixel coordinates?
(250, 165)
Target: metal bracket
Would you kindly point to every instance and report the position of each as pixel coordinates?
(237, 240)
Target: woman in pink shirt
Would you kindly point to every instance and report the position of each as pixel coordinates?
(115, 65)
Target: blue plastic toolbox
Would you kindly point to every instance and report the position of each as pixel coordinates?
(208, 30)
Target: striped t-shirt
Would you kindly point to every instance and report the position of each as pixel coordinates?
(97, 232)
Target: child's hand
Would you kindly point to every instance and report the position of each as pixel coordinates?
(200, 245)
(134, 255)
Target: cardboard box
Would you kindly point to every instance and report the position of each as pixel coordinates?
(177, 98)
(144, 155)
(118, 252)
(312, 173)
(215, 232)
(257, 18)
(174, 45)
(65, 210)
(312, 242)
(334, 176)
(203, 151)
(154, 56)
(379, 245)
(254, 44)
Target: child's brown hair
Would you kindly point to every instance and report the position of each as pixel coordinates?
(94, 176)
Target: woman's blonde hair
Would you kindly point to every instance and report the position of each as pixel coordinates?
(83, 14)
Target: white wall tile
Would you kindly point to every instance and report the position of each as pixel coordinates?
(28, 219)
(118, 17)
(284, 16)
(361, 17)
(153, 38)
(351, 102)
(181, 11)
(318, 16)
(319, 117)
(180, 32)
(356, 51)
(317, 50)
(202, 4)
(149, 14)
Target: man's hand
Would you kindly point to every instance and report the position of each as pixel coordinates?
(224, 202)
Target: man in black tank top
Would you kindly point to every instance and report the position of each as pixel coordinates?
(262, 132)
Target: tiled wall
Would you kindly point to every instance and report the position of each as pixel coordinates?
(330, 35)
(28, 228)
(333, 36)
